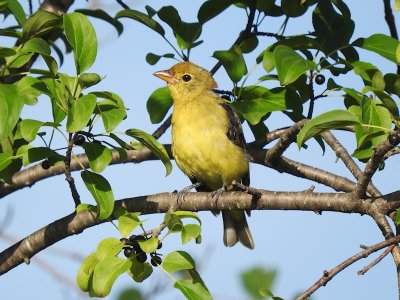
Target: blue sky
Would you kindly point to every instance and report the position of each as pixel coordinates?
(299, 245)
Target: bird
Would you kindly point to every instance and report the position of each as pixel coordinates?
(208, 143)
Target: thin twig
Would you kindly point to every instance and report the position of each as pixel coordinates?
(269, 137)
(312, 97)
(328, 275)
(342, 153)
(389, 17)
(67, 170)
(163, 128)
(284, 142)
(371, 167)
(376, 260)
(120, 2)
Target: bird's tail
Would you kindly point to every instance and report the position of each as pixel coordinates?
(236, 229)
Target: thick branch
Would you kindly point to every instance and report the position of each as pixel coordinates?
(286, 165)
(304, 201)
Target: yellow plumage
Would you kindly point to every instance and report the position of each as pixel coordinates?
(207, 140)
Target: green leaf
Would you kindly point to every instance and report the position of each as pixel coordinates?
(11, 106)
(268, 61)
(381, 44)
(85, 272)
(102, 15)
(29, 129)
(152, 58)
(139, 271)
(112, 109)
(327, 22)
(178, 261)
(128, 222)
(187, 214)
(278, 99)
(290, 65)
(193, 290)
(88, 79)
(174, 222)
(85, 207)
(189, 232)
(37, 45)
(326, 121)
(142, 18)
(82, 38)
(31, 155)
(150, 142)
(105, 274)
(101, 191)
(29, 89)
(158, 104)
(41, 23)
(99, 156)
(257, 280)
(211, 8)
(150, 245)
(5, 160)
(80, 112)
(17, 10)
(109, 247)
(233, 62)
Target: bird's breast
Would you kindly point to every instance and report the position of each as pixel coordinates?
(201, 147)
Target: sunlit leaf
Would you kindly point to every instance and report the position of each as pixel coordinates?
(106, 272)
(158, 104)
(101, 191)
(99, 156)
(330, 120)
(233, 62)
(290, 65)
(11, 106)
(82, 38)
(156, 147)
(178, 261)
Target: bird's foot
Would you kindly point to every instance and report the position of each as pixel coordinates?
(218, 193)
(184, 191)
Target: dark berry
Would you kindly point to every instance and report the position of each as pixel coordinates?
(79, 140)
(128, 252)
(141, 257)
(394, 139)
(319, 79)
(46, 164)
(156, 260)
(159, 245)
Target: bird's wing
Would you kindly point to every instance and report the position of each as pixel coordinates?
(235, 134)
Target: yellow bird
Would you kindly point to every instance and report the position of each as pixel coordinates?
(207, 140)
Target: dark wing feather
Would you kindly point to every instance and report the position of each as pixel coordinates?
(235, 134)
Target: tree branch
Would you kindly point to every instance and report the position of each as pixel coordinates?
(285, 141)
(342, 153)
(371, 167)
(328, 275)
(159, 203)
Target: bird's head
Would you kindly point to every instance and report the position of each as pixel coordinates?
(187, 80)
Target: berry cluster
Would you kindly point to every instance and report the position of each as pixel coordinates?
(132, 247)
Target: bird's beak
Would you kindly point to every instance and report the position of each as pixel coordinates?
(167, 76)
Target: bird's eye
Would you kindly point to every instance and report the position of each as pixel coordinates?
(186, 77)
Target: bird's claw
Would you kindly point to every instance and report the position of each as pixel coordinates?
(184, 191)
